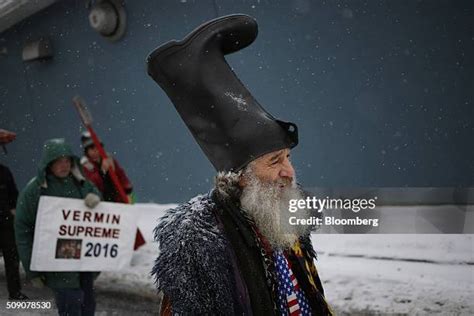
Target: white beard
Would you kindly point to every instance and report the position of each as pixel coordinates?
(265, 203)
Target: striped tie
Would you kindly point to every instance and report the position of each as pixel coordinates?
(291, 299)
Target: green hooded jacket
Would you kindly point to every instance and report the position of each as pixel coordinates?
(45, 183)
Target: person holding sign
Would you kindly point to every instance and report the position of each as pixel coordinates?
(59, 175)
(225, 252)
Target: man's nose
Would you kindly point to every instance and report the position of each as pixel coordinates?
(287, 170)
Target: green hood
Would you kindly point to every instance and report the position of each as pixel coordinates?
(52, 150)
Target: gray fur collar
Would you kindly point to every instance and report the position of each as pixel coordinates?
(192, 268)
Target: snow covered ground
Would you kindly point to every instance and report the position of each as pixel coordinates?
(362, 274)
(398, 274)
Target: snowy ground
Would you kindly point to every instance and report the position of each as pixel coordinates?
(362, 275)
(398, 274)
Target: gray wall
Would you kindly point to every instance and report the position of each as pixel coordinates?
(382, 91)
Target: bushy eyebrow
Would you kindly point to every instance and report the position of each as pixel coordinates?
(276, 156)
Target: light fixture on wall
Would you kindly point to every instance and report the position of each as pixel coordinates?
(108, 18)
(37, 50)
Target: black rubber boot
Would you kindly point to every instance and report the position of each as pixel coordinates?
(228, 123)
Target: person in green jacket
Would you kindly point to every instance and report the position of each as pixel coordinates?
(59, 175)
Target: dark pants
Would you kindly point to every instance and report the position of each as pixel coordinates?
(10, 256)
(77, 302)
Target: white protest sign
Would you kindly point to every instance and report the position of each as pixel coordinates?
(71, 237)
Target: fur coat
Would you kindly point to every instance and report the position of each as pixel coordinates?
(209, 264)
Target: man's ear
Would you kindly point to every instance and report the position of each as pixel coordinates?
(245, 174)
(242, 181)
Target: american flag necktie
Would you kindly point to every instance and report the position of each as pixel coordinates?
(291, 298)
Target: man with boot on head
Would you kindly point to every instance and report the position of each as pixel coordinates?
(225, 252)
